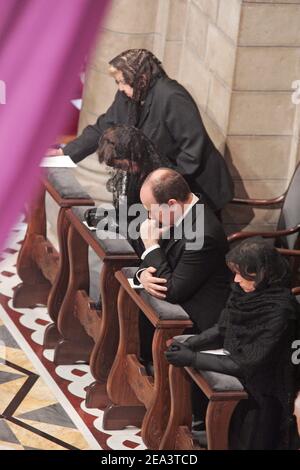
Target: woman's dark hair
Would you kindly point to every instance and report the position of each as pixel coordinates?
(256, 260)
(131, 144)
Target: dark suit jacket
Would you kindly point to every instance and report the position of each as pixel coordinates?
(171, 120)
(198, 280)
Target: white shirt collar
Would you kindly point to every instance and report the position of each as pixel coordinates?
(188, 207)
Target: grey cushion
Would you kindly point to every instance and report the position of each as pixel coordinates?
(217, 381)
(298, 298)
(129, 272)
(118, 246)
(164, 310)
(222, 382)
(65, 183)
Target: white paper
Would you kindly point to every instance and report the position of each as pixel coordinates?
(59, 161)
(220, 352)
(134, 286)
(77, 103)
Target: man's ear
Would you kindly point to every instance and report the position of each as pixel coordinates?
(172, 202)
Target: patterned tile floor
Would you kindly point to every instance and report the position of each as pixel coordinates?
(42, 405)
(30, 415)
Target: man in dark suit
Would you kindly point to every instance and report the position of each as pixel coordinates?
(185, 247)
(167, 114)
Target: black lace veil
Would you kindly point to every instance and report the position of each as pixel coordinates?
(131, 156)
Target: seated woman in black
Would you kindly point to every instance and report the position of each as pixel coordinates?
(131, 156)
(256, 330)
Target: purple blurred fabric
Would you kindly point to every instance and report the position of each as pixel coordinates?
(42, 47)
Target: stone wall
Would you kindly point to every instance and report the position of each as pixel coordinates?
(263, 131)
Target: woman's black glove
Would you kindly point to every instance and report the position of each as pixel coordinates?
(179, 355)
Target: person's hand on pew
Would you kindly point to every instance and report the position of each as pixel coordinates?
(153, 285)
(54, 152)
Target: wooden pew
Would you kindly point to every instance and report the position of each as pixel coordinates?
(88, 334)
(138, 398)
(39, 265)
(223, 392)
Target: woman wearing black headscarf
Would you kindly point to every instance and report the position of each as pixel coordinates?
(256, 330)
(167, 114)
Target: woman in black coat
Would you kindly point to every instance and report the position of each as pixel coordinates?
(256, 331)
(167, 114)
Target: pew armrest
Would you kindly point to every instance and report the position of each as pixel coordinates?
(258, 202)
(164, 310)
(275, 234)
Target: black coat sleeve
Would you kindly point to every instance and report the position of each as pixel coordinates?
(216, 363)
(208, 339)
(191, 272)
(87, 142)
